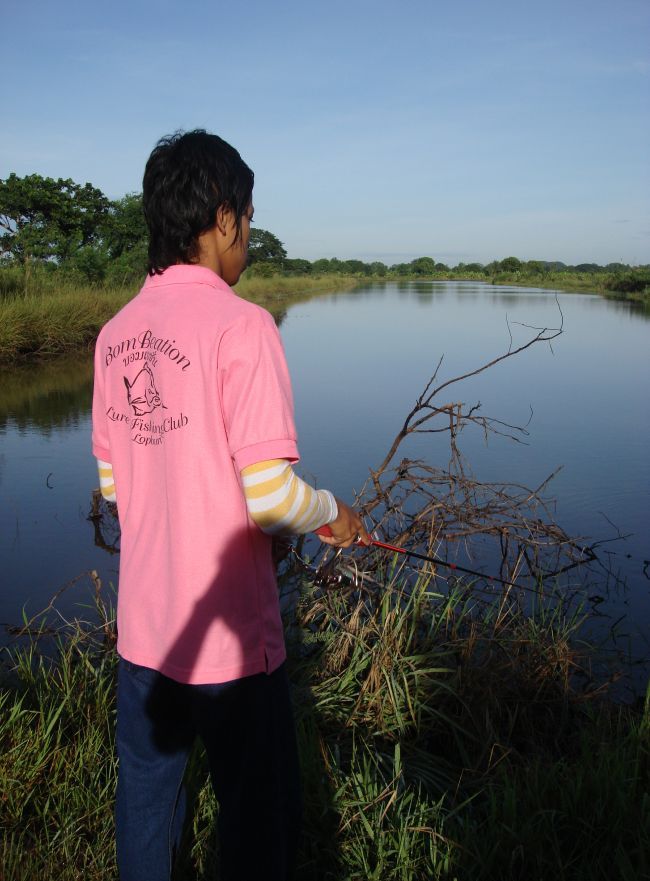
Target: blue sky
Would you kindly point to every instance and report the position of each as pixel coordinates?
(461, 130)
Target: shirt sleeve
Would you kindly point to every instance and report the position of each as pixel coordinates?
(255, 390)
(100, 444)
(106, 480)
(280, 503)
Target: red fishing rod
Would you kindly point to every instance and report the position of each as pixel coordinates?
(325, 530)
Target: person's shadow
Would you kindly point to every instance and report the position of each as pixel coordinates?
(319, 856)
(177, 713)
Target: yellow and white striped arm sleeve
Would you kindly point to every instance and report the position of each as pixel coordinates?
(106, 481)
(279, 502)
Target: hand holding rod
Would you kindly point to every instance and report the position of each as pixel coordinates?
(325, 530)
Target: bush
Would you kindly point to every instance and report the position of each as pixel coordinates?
(634, 281)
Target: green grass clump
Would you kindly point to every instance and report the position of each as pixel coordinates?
(43, 322)
(54, 314)
(441, 737)
(42, 325)
(582, 815)
(57, 768)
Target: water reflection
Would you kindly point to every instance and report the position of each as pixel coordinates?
(46, 396)
(586, 414)
(587, 397)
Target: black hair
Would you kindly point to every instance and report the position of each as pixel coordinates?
(188, 177)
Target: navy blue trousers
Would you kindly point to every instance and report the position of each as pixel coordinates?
(248, 732)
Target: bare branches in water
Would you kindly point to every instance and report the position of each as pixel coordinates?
(505, 529)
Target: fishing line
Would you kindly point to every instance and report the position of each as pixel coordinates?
(326, 531)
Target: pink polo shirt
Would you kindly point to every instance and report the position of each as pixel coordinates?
(191, 385)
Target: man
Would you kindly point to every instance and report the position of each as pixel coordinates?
(194, 433)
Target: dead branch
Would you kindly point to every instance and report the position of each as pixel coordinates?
(445, 512)
(424, 410)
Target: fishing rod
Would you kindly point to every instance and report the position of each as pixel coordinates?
(326, 531)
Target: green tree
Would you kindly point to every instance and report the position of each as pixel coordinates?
(297, 266)
(264, 247)
(423, 266)
(510, 264)
(355, 267)
(90, 262)
(321, 265)
(46, 219)
(125, 240)
(124, 227)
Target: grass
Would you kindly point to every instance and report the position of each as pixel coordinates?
(441, 738)
(578, 282)
(57, 767)
(46, 321)
(54, 317)
(279, 291)
(41, 325)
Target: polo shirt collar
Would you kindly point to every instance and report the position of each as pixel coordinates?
(185, 273)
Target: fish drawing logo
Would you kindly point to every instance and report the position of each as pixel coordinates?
(142, 394)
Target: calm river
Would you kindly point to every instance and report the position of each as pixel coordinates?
(358, 361)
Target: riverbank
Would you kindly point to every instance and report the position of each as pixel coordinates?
(581, 285)
(46, 322)
(438, 741)
(634, 286)
(53, 320)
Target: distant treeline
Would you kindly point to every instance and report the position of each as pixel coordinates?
(60, 227)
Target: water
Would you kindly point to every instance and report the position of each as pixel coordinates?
(358, 362)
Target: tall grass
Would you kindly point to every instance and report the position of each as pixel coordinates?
(53, 314)
(46, 324)
(269, 290)
(47, 320)
(441, 738)
(57, 768)
(562, 281)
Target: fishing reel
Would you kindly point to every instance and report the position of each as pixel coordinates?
(333, 572)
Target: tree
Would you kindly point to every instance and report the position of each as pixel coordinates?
(423, 266)
(336, 265)
(124, 227)
(46, 219)
(355, 267)
(264, 247)
(510, 264)
(321, 265)
(126, 239)
(298, 266)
